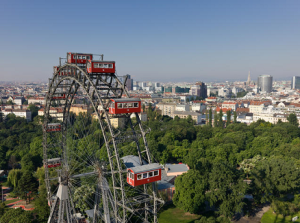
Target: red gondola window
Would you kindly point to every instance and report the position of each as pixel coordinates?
(98, 65)
(147, 175)
(101, 65)
(128, 105)
(130, 175)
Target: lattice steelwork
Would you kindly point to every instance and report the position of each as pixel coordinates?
(89, 176)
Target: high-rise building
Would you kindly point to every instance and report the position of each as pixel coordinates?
(295, 82)
(264, 83)
(199, 89)
(129, 83)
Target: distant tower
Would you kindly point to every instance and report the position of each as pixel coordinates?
(264, 83)
(249, 79)
(295, 82)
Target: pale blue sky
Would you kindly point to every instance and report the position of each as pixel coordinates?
(154, 40)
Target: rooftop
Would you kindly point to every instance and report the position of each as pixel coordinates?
(175, 168)
(132, 161)
(147, 167)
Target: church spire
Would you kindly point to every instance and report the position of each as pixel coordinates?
(249, 79)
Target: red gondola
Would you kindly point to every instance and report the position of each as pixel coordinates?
(144, 174)
(99, 66)
(125, 105)
(59, 96)
(55, 69)
(53, 127)
(55, 162)
(62, 72)
(78, 58)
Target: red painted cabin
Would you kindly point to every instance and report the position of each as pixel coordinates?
(53, 127)
(99, 66)
(125, 105)
(62, 72)
(55, 162)
(79, 58)
(59, 96)
(144, 174)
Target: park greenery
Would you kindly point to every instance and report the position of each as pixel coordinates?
(226, 162)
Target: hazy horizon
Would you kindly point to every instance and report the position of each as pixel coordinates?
(154, 40)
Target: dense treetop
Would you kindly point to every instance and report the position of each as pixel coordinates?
(220, 159)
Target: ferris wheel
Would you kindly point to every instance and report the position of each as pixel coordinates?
(94, 170)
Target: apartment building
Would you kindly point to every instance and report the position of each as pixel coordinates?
(167, 108)
(197, 117)
(18, 112)
(38, 100)
(230, 105)
(76, 109)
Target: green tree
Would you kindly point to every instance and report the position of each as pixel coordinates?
(210, 117)
(26, 163)
(216, 118)
(2, 209)
(189, 119)
(13, 177)
(34, 110)
(82, 196)
(241, 94)
(247, 165)
(292, 118)
(204, 219)
(17, 215)
(41, 204)
(221, 119)
(10, 102)
(234, 116)
(228, 117)
(190, 191)
(27, 186)
(3, 160)
(226, 189)
(275, 177)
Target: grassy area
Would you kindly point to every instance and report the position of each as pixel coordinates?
(11, 201)
(173, 214)
(270, 217)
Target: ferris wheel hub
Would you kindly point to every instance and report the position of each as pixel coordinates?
(62, 192)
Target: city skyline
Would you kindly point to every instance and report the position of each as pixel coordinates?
(154, 41)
